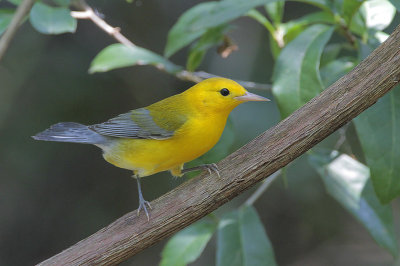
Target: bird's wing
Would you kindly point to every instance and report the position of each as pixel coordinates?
(137, 124)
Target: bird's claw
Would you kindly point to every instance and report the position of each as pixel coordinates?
(142, 205)
(212, 167)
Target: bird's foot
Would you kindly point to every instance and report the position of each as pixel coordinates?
(212, 167)
(142, 205)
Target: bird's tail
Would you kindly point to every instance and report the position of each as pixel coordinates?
(71, 132)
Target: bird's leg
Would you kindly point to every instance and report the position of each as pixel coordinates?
(212, 167)
(142, 201)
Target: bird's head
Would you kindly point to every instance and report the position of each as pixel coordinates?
(220, 95)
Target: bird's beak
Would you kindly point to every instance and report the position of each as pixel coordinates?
(251, 97)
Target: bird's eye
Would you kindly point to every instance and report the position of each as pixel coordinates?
(224, 92)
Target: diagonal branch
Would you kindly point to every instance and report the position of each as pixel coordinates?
(261, 157)
(88, 13)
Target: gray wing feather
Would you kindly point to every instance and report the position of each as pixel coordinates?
(71, 132)
(123, 126)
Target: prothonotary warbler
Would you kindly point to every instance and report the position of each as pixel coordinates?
(164, 135)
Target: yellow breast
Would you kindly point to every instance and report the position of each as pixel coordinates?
(150, 156)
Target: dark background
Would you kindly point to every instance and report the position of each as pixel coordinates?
(54, 194)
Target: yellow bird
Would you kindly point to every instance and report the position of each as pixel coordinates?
(164, 135)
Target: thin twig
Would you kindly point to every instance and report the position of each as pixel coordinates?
(261, 189)
(348, 34)
(9, 34)
(86, 12)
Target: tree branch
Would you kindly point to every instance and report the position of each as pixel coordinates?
(88, 13)
(261, 157)
(19, 15)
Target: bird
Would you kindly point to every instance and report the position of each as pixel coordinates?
(164, 135)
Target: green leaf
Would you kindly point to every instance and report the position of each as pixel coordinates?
(187, 245)
(5, 19)
(119, 55)
(275, 11)
(330, 53)
(300, 60)
(336, 69)
(274, 47)
(316, 17)
(260, 18)
(212, 37)
(378, 14)
(396, 3)
(349, 9)
(195, 21)
(51, 20)
(344, 177)
(242, 240)
(347, 180)
(293, 28)
(378, 129)
(358, 26)
(183, 32)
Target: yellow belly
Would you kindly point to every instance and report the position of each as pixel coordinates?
(149, 156)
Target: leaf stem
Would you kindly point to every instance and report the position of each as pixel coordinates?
(257, 16)
(345, 30)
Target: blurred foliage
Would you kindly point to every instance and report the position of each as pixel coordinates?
(348, 181)
(242, 240)
(187, 245)
(119, 55)
(51, 20)
(358, 167)
(300, 60)
(379, 130)
(212, 37)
